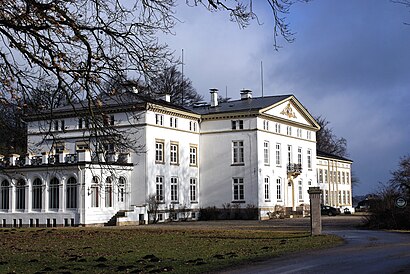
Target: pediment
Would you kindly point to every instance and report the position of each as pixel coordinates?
(292, 110)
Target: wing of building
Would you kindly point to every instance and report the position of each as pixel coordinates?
(334, 178)
(251, 152)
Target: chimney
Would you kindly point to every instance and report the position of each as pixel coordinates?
(166, 97)
(214, 97)
(246, 94)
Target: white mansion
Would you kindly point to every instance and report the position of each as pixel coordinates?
(258, 152)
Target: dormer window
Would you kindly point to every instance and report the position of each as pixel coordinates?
(237, 124)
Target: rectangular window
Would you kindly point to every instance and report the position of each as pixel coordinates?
(159, 183)
(238, 189)
(193, 190)
(80, 123)
(159, 119)
(279, 189)
(174, 189)
(267, 189)
(193, 156)
(326, 197)
(174, 154)
(266, 156)
(338, 177)
(348, 197)
(300, 188)
(299, 133)
(325, 176)
(320, 176)
(309, 159)
(265, 125)
(347, 178)
(277, 128)
(237, 124)
(159, 152)
(340, 197)
(237, 152)
(173, 122)
(289, 130)
(308, 135)
(343, 178)
(299, 155)
(289, 154)
(344, 197)
(277, 154)
(192, 126)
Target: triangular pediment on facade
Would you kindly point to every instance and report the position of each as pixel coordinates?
(290, 109)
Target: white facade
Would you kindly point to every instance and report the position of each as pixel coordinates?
(335, 179)
(257, 152)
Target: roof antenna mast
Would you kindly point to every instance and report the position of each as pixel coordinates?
(262, 77)
(182, 87)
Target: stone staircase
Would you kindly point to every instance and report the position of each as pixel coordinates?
(113, 220)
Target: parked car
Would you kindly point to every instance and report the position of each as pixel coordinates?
(329, 210)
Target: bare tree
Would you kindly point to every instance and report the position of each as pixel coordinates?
(401, 176)
(12, 131)
(153, 206)
(327, 141)
(171, 81)
(78, 47)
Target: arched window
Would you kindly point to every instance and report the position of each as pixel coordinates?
(54, 190)
(37, 194)
(21, 194)
(108, 192)
(121, 189)
(5, 195)
(71, 195)
(95, 195)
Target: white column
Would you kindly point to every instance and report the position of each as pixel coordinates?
(29, 199)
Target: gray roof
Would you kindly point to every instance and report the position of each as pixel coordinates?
(330, 155)
(256, 103)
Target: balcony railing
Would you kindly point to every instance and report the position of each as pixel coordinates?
(294, 169)
(36, 160)
(16, 160)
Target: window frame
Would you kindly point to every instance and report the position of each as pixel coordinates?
(54, 194)
(193, 190)
(159, 189)
(238, 189)
(159, 151)
(174, 153)
(72, 193)
(174, 188)
(266, 153)
(37, 194)
(159, 119)
(193, 155)
(238, 152)
(267, 189)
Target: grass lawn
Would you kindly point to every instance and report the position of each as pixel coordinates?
(145, 250)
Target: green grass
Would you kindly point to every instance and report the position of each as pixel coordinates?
(144, 250)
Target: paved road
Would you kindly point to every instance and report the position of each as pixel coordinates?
(364, 252)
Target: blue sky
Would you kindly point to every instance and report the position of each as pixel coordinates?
(350, 63)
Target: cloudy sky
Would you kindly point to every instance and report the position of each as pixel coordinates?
(350, 63)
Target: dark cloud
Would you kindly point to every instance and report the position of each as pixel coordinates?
(349, 63)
